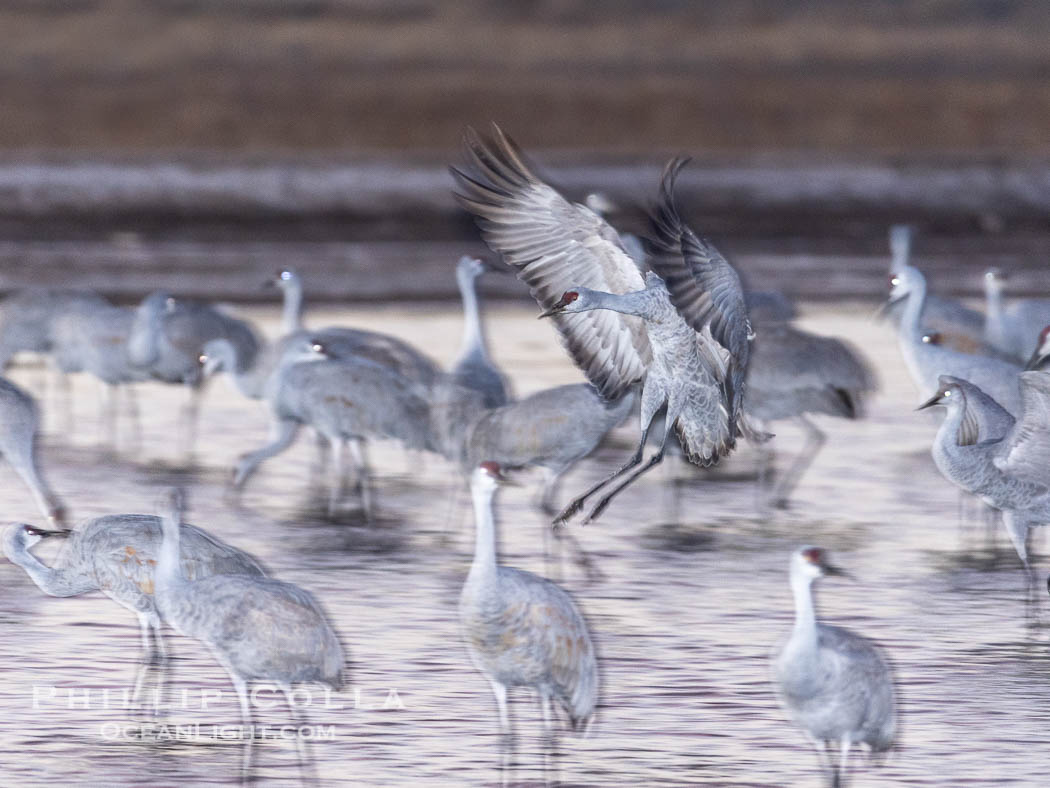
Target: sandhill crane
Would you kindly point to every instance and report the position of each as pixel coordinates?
(26, 318)
(167, 337)
(27, 325)
(1012, 328)
(683, 332)
(926, 361)
(552, 429)
(343, 343)
(835, 684)
(792, 373)
(523, 631)
(117, 555)
(19, 425)
(473, 368)
(1010, 472)
(347, 402)
(93, 337)
(259, 629)
(961, 327)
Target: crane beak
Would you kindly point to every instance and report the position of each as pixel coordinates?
(554, 310)
(43, 533)
(934, 400)
(834, 571)
(1036, 359)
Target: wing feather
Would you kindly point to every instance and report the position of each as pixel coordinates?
(1026, 448)
(557, 246)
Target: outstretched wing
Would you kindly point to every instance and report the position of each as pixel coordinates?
(704, 287)
(557, 246)
(1025, 450)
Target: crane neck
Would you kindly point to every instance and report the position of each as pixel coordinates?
(292, 305)
(474, 343)
(637, 302)
(911, 321)
(169, 567)
(52, 581)
(484, 565)
(993, 312)
(804, 634)
(144, 340)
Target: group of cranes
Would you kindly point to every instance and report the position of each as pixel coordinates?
(668, 329)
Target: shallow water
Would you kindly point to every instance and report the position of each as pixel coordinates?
(684, 620)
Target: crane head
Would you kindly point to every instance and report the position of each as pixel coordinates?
(563, 304)
(812, 562)
(19, 537)
(1041, 354)
(489, 474)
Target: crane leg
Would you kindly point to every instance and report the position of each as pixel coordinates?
(506, 734)
(815, 440)
(302, 749)
(550, 743)
(247, 731)
(146, 630)
(605, 501)
(320, 464)
(336, 446)
(132, 397)
(359, 454)
(843, 762)
(282, 434)
(1017, 529)
(577, 503)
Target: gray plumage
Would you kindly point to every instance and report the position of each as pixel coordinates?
(1007, 464)
(769, 306)
(622, 330)
(522, 630)
(167, 338)
(346, 343)
(1014, 328)
(260, 629)
(835, 684)
(951, 318)
(117, 555)
(473, 368)
(19, 426)
(793, 373)
(345, 401)
(26, 318)
(93, 337)
(926, 361)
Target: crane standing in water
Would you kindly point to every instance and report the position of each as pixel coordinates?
(834, 683)
(117, 555)
(683, 334)
(259, 629)
(523, 631)
(474, 369)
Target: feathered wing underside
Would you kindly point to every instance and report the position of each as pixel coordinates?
(1026, 448)
(704, 288)
(557, 246)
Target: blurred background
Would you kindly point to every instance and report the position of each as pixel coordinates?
(196, 144)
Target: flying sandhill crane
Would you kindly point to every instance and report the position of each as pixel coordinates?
(523, 631)
(19, 426)
(346, 402)
(793, 373)
(260, 629)
(927, 361)
(1010, 472)
(474, 369)
(682, 332)
(1012, 328)
(117, 555)
(835, 684)
(167, 338)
